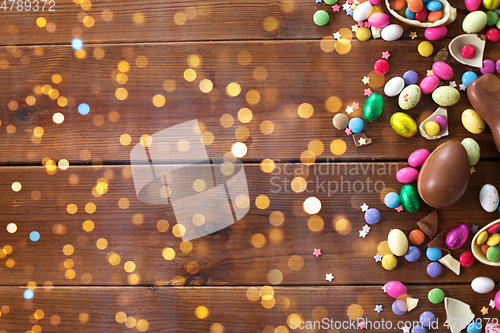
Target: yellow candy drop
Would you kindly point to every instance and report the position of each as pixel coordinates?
(425, 49)
(363, 34)
(431, 128)
(389, 262)
(482, 237)
(493, 240)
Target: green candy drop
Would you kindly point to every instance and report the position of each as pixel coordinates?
(373, 107)
(321, 17)
(435, 296)
(493, 253)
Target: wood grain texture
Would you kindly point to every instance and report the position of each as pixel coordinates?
(230, 256)
(289, 81)
(169, 309)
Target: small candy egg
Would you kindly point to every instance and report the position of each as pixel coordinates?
(468, 51)
(340, 121)
(494, 228)
(403, 124)
(457, 236)
(392, 32)
(418, 329)
(493, 35)
(472, 121)
(373, 107)
(395, 289)
(381, 66)
(472, 5)
(474, 22)
(394, 86)
(410, 199)
(434, 269)
(488, 65)
(397, 4)
(427, 318)
(433, 5)
(429, 83)
(467, 259)
(431, 128)
(482, 285)
(497, 66)
(473, 150)
(446, 96)
(376, 2)
(363, 34)
(409, 97)
(416, 237)
(493, 253)
(497, 300)
(410, 77)
(491, 5)
(434, 16)
(435, 33)
(443, 70)
(409, 14)
(492, 17)
(415, 5)
(433, 253)
(372, 216)
(379, 20)
(389, 262)
(391, 200)
(418, 157)
(356, 125)
(482, 237)
(468, 77)
(413, 254)
(425, 49)
(407, 175)
(435, 295)
(397, 241)
(321, 18)
(362, 11)
(442, 122)
(489, 198)
(399, 307)
(421, 16)
(474, 327)
(493, 239)
(484, 248)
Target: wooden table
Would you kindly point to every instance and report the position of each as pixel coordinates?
(107, 262)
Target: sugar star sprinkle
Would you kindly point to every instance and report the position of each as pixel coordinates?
(378, 258)
(430, 72)
(367, 25)
(318, 1)
(349, 109)
(329, 277)
(349, 11)
(366, 80)
(364, 207)
(492, 303)
(362, 233)
(462, 87)
(336, 8)
(346, 6)
(355, 105)
(368, 92)
(362, 141)
(348, 131)
(452, 84)
(378, 308)
(484, 310)
(360, 24)
(474, 228)
(366, 228)
(386, 55)
(337, 35)
(362, 325)
(472, 170)
(406, 329)
(383, 288)
(317, 252)
(413, 35)
(399, 208)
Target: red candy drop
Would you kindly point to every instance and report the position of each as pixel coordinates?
(493, 34)
(421, 16)
(467, 259)
(468, 51)
(381, 67)
(494, 228)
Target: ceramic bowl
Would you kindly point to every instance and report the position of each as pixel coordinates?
(476, 249)
(449, 15)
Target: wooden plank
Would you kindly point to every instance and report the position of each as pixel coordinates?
(156, 21)
(252, 251)
(278, 73)
(169, 309)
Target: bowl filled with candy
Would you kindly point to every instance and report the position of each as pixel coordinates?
(422, 13)
(485, 244)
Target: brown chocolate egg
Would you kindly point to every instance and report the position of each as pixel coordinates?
(443, 178)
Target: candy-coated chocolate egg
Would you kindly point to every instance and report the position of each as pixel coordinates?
(392, 32)
(407, 175)
(429, 84)
(409, 198)
(489, 198)
(409, 97)
(457, 236)
(482, 285)
(362, 11)
(379, 20)
(395, 289)
(435, 33)
(446, 96)
(373, 107)
(474, 22)
(418, 157)
(443, 70)
(472, 5)
(472, 121)
(444, 176)
(473, 150)
(403, 124)
(497, 300)
(398, 243)
(491, 4)
(394, 86)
